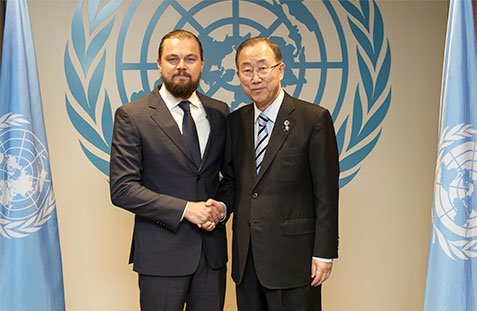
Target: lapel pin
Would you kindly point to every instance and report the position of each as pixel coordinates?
(286, 126)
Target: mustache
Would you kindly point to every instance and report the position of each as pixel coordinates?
(182, 73)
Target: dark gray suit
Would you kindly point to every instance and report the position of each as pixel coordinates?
(153, 175)
(289, 212)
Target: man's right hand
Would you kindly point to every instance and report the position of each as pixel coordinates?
(199, 213)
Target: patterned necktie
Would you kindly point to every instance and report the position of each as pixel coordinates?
(189, 132)
(262, 141)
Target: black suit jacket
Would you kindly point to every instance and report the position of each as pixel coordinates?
(153, 175)
(289, 211)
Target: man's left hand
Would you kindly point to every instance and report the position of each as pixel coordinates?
(320, 271)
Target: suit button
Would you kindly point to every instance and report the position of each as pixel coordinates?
(198, 177)
(254, 195)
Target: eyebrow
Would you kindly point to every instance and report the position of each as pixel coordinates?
(263, 60)
(176, 55)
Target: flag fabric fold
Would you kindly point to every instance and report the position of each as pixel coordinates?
(451, 283)
(30, 259)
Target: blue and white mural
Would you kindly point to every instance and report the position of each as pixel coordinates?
(336, 55)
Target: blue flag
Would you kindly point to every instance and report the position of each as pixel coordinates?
(30, 260)
(452, 267)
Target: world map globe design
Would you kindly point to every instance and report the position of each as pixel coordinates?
(456, 190)
(290, 24)
(24, 183)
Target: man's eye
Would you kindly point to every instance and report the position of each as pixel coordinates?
(190, 60)
(173, 60)
(262, 69)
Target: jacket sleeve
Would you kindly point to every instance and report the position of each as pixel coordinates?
(126, 187)
(324, 163)
(226, 192)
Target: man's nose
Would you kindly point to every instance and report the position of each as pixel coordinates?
(181, 64)
(255, 77)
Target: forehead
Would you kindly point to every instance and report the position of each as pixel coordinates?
(180, 46)
(257, 53)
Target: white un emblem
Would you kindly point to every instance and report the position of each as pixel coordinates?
(336, 55)
(454, 215)
(26, 196)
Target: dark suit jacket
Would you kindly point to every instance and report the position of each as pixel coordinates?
(152, 174)
(289, 211)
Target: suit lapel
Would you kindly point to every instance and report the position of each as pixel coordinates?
(163, 118)
(279, 134)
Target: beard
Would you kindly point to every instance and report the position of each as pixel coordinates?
(181, 88)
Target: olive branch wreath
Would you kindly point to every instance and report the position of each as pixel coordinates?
(463, 249)
(92, 118)
(372, 95)
(22, 228)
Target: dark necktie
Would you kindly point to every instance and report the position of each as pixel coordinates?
(189, 132)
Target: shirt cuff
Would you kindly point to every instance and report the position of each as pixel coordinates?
(225, 211)
(327, 260)
(183, 213)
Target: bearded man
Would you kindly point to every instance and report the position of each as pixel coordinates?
(166, 153)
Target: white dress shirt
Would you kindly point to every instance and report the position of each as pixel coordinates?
(197, 111)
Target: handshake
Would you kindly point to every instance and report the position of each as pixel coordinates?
(205, 215)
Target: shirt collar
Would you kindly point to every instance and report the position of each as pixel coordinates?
(272, 111)
(171, 101)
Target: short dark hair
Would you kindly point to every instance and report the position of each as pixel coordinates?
(180, 34)
(255, 40)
